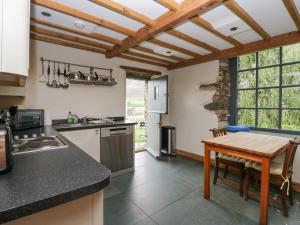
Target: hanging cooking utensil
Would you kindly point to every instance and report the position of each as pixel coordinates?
(54, 81)
(58, 84)
(43, 77)
(48, 75)
(65, 84)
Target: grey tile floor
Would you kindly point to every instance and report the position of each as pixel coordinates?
(169, 192)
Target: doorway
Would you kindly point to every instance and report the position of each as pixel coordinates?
(136, 110)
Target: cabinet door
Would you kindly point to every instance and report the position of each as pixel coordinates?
(87, 140)
(15, 36)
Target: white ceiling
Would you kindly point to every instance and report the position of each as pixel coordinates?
(270, 14)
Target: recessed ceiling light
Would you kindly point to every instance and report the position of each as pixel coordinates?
(79, 25)
(47, 14)
(168, 52)
(233, 28)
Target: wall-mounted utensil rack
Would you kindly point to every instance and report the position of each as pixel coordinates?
(74, 77)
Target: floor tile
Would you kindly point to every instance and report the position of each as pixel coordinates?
(120, 211)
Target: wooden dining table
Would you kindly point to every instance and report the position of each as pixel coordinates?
(261, 148)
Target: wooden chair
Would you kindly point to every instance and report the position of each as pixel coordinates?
(228, 161)
(278, 171)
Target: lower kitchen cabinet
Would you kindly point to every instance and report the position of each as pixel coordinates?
(88, 140)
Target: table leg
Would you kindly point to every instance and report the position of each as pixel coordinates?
(264, 194)
(206, 172)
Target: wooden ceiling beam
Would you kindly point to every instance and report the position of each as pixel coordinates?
(170, 4)
(207, 26)
(125, 11)
(84, 16)
(277, 41)
(97, 36)
(87, 48)
(141, 55)
(68, 37)
(64, 43)
(128, 57)
(192, 40)
(140, 70)
(240, 12)
(293, 11)
(188, 9)
(173, 47)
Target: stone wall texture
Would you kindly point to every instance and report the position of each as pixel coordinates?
(220, 100)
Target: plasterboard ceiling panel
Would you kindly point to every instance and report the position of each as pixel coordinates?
(203, 35)
(162, 50)
(101, 12)
(297, 3)
(145, 53)
(65, 32)
(247, 37)
(222, 19)
(183, 44)
(179, 1)
(148, 8)
(270, 14)
(68, 21)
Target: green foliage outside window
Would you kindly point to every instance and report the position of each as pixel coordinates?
(268, 84)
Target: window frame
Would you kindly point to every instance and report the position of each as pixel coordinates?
(233, 101)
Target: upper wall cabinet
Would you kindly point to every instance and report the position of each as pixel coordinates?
(14, 38)
(158, 95)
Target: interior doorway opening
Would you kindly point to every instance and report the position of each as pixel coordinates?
(136, 108)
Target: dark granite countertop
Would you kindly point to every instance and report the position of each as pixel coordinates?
(81, 126)
(42, 180)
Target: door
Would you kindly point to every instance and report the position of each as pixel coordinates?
(157, 105)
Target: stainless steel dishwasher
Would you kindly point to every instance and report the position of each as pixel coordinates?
(117, 150)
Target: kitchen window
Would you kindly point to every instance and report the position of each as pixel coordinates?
(267, 89)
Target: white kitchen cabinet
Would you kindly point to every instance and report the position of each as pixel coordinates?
(88, 140)
(14, 36)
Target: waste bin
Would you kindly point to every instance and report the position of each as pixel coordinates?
(168, 136)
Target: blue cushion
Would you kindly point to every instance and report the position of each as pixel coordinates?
(237, 128)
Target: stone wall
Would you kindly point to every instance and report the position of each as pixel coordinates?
(220, 100)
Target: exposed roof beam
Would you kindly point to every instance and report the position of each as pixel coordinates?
(173, 47)
(84, 16)
(280, 40)
(123, 10)
(124, 56)
(192, 40)
(64, 43)
(140, 70)
(293, 11)
(240, 12)
(207, 26)
(97, 36)
(148, 50)
(170, 4)
(87, 48)
(129, 52)
(188, 9)
(100, 37)
(68, 37)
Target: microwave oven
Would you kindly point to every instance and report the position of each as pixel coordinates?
(28, 118)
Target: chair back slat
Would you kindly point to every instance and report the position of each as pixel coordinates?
(290, 155)
(217, 132)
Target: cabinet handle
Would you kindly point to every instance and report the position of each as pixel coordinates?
(96, 131)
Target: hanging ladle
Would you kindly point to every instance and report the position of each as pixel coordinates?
(65, 84)
(58, 84)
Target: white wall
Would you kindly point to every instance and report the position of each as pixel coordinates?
(80, 99)
(187, 112)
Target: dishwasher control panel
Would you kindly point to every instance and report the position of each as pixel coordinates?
(110, 131)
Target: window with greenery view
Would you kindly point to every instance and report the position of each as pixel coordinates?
(268, 89)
